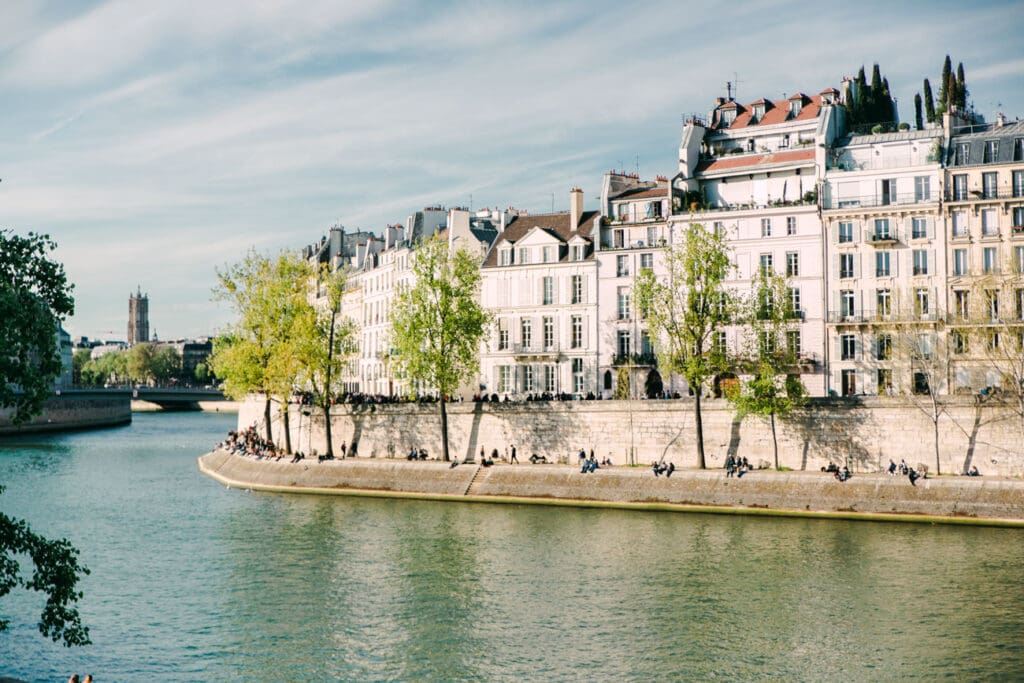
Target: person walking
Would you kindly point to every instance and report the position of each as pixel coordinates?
(513, 458)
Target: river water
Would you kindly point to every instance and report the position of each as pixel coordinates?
(194, 582)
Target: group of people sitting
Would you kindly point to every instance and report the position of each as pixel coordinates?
(735, 465)
(250, 443)
(417, 454)
(907, 471)
(660, 468)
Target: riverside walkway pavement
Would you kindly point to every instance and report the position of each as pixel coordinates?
(878, 497)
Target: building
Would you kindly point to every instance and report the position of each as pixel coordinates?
(984, 215)
(540, 284)
(752, 171)
(885, 269)
(138, 317)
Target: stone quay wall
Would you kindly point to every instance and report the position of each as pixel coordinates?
(874, 496)
(73, 411)
(862, 433)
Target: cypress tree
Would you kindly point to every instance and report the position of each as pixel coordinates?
(888, 114)
(961, 87)
(875, 96)
(929, 103)
(918, 119)
(951, 89)
(947, 69)
(860, 99)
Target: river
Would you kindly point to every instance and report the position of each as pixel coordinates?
(194, 582)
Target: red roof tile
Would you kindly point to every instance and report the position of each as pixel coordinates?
(730, 162)
(775, 112)
(661, 192)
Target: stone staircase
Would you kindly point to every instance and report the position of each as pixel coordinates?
(474, 483)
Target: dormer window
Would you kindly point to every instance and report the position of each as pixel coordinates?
(991, 151)
(963, 153)
(524, 255)
(758, 112)
(728, 116)
(505, 257)
(794, 108)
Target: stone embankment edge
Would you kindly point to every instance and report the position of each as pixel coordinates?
(616, 505)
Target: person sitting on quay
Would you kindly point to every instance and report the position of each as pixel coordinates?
(914, 475)
(606, 462)
(592, 463)
(844, 474)
(743, 468)
(534, 459)
(582, 457)
(658, 468)
(730, 465)
(973, 472)
(892, 468)
(670, 470)
(904, 469)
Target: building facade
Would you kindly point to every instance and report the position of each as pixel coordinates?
(138, 317)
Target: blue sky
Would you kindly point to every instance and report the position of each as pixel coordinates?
(157, 141)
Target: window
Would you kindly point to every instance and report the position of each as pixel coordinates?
(845, 232)
(1018, 149)
(921, 301)
(577, 289)
(924, 345)
(719, 228)
(963, 153)
(505, 378)
(849, 382)
(993, 340)
(846, 308)
(652, 236)
(785, 142)
(992, 304)
(623, 345)
(795, 105)
(528, 378)
(989, 185)
(959, 187)
(577, 331)
(885, 387)
(549, 254)
(960, 224)
(505, 257)
(882, 268)
(888, 191)
(792, 264)
(654, 209)
(918, 228)
(766, 264)
(551, 378)
(922, 188)
(1018, 260)
(794, 300)
(767, 342)
(991, 154)
(622, 265)
(1018, 183)
(962, 304)
(791, 225)
(882, 230)
(920, 262)
(847, 347)
(959, 262)
(646, 261)
(618, 238)
(1018, 300)
(883, 347)
(502, 335)
(793, 345)
(646, 346)
(766, 227)
(728, 116)
(989, 263)
(720, 344)
(883, 302)
(989, 223)
(1018, 219)
(549, 290)
(524, 255)
(845, 266)
(960, 342)
(577, 375)
(623, 300)
(758, 113)
(549, 333)
(526, 333)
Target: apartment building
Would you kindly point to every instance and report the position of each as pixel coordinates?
(751, 172)
(984, 215)
(540, 284)
(885, 269)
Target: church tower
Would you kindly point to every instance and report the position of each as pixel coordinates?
(138, 317)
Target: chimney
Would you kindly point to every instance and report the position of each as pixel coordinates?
(1001, 120)
(575, 207)
(502, 217)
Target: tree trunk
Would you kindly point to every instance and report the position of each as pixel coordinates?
(935, 425)
(700, 430)
(775, 442)
(444, 429)
(286, 421)
(266, 419)
(327, 428)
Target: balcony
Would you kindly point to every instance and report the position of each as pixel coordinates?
(875, 318)
(881, 238)
(643, 359)
(959, 195)
(875, 201)
(535, 349)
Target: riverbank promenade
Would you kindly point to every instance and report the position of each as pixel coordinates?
(873, 497)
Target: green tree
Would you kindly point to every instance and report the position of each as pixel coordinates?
(324, 344)
(166, 364)
(685, 307)
(201, 373)
(774, 391)
(35, 297)
(918, 114)
(947, 71)
(254, 356)
(438, 322)
(78, 361)
(139, 361)
(56, 574)
(961, 87)
(929, 102)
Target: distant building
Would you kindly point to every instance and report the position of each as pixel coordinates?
(138, 317)
(63, 340)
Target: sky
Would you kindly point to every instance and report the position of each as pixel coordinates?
(159, 141)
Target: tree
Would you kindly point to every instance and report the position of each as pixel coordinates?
(438, 322)
(929, 102)
(773, 391)
(201, 373)
(254, 357)
(166, 364)
(78, 361)
(947, 70)
(35, 297)
(685, 308)
(324, 345)
(140, 363)
(918, 114)
(926, 353)
(961, 87)
(56, 574)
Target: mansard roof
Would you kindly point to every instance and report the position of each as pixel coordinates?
(732, 162)
(642, 193)
(556, 224)
(774, 112)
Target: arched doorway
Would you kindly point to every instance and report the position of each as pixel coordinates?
(725, 384)
(653, 386)
(608, 380)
